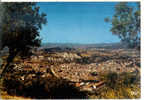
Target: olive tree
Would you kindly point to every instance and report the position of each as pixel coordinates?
(21, 23)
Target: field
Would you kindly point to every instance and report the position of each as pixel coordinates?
(74, 73)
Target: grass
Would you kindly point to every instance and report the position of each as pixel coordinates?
(130, 92)
(119, 86)
(5, 96)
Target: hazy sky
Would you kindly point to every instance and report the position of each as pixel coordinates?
(75, 22)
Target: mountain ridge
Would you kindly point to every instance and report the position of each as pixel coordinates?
(79, 45)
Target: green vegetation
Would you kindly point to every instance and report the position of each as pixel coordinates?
(126, 24)
(20, 27)
(130, 92)
(115, 80)
(119, 86)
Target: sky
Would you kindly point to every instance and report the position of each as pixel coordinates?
(77, 22)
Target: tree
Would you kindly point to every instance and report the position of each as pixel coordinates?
(1, 13)
(126, 23)
(20, 27)
(137, 24)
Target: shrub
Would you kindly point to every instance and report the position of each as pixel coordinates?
(44, 88)
(121, 86)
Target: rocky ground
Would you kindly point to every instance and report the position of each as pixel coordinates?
(81, 67)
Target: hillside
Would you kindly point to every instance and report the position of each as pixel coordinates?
(87, 72)
(85, 46)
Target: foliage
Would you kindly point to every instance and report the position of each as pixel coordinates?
(129, 92)
(126, 23)
(21, 23)
(120, 86)
(20, 27)
(114, 80)
(1, 13)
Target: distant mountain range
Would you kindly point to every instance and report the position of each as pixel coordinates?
(84, 46)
